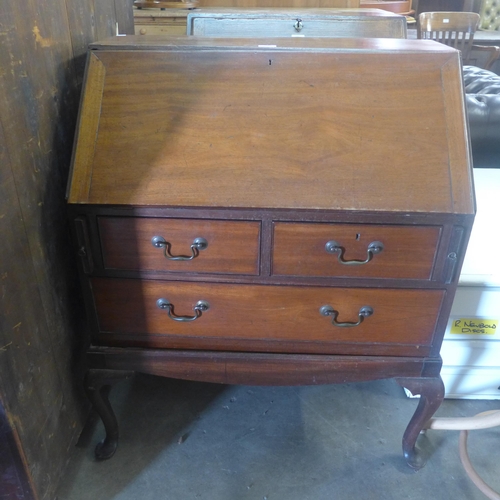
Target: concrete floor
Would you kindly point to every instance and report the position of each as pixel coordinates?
(184, 440)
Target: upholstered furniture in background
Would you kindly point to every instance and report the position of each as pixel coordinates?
(482, 89)
(490, 15)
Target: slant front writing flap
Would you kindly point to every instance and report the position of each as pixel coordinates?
(318, 125)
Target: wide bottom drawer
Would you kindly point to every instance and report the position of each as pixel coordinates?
(263, 313)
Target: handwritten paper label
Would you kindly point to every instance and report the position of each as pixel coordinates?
(474, 326)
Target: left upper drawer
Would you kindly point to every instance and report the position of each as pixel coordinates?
(180, 245)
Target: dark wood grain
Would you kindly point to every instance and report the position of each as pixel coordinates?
(408, 253)
(166, 341)
(97, 384)
(233, 247)
(254, 368)
(281, 134)
(15, 481)
(267, 312)
(33, 357)
(431, 391)
(298, 139)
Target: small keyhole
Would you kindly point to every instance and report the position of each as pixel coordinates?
(358, 236)
(270, 62)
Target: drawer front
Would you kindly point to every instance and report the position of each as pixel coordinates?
(231, 247)
(262, 312)
(174, 26)
(318, 249)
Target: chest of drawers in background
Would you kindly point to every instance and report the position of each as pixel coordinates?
(293, 211)
(471, 346)
(160, 22)
(226, 22)
(253, 22)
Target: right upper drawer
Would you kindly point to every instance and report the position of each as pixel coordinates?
(354, 250)
(180, 245)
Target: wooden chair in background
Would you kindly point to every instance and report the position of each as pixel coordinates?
(455, 29)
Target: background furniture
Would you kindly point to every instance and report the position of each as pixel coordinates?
(296, 4)
(471, 356)
(160, 22)
(293, 22)
(471, 361)
(251, 237)
(402, 7)
(482, 89)
(165, 4)
(455, 29)
(489, 13)
(488, 33)
(446, 6)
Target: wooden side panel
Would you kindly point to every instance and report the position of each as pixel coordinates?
(40, 322)
(88, 127)
(462, 192)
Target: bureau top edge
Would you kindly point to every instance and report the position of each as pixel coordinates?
(184, 42)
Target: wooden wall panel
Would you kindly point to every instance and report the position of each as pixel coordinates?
(125, 16)
(94, 20)
(42, 47)
(14, 482)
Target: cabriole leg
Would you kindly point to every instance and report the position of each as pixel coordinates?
(97, 384)
(431, 392)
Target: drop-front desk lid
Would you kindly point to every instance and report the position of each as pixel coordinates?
(312, 123)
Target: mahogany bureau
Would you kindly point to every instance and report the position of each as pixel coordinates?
(270, 211)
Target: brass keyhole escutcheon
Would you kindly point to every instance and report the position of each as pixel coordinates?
(298, 25)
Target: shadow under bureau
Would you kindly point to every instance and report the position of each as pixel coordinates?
(270, 211)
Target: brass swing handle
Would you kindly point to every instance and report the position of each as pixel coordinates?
(363, 313)
(197, 245)
(200, 307)
(374, 248)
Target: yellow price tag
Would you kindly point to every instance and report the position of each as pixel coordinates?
(474, 326)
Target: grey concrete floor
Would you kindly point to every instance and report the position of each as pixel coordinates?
(185, 440)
